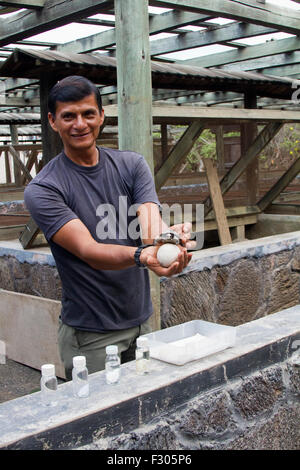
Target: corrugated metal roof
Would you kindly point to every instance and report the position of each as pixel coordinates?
(102, 70)
(26, 130)
(19, 118)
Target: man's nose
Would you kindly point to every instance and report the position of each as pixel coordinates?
(80, 122)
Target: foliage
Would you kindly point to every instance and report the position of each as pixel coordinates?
(204, 147)
(283, 149)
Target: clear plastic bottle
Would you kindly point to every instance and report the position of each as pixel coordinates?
(112, 365)
(49, 385)
(142, 356)
(80, 377)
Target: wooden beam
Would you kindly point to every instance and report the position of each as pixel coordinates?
(259, 63)
(183, 114)
(280, 185)
(135, 97)
(220, 147)
(232, 222)
(52, 144)
(217, 201)
(279, 46)
(157, 24)
(282, 71)
(7, 167)
(265, 136)
(284, 209)
(284, 19)
(205, 38)
(19, 162)
(248, 135)
(54, 14)
(16, 166)
(134, 78)
(178, 153)
(24, 3)
(31, 159)
(30, 233)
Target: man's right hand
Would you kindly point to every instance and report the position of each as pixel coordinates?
(149, 258)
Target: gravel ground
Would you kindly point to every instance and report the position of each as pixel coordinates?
(17, 380)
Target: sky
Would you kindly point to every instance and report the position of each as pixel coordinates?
(75, 31)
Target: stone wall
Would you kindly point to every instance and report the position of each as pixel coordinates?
(34, 278)
(243, 397)
(257, 412)
(241, 291)
(228, 285)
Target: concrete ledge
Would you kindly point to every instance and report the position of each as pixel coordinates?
(34, 255)
(111, 410)
(223, 255)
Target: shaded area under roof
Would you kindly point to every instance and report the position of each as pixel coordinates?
(102, 70)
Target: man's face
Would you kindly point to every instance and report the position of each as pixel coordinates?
(78, 123)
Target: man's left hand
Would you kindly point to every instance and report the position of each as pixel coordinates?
(184, 231)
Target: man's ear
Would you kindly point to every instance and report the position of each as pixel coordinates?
(51, 120)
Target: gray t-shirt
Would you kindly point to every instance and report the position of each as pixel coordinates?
(96, 300)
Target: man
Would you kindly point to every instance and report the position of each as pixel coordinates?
(106, 293)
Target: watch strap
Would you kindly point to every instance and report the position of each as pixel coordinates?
(137, 255)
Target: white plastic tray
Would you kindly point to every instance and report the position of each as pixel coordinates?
(190, 341)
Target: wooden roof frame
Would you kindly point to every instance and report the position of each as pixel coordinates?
(250, 18)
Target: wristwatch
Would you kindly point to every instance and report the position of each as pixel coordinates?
(137, 255)
(170, 236)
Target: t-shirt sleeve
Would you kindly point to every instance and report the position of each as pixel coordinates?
(144, 187)
(47, 208)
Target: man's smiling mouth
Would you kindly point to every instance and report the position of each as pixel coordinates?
(80, 135)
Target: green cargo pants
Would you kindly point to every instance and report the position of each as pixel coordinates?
(73, 342)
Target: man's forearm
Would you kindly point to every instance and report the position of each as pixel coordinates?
(150, 221)
(108, 256)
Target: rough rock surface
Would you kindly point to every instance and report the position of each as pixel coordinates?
(260, 411)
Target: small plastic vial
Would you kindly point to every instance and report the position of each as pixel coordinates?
(80, 377)
(49, 385)
(142, 356)
(112, 365)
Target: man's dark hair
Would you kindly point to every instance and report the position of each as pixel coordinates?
(72, 88)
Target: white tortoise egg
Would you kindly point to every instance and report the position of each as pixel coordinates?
(167, 254)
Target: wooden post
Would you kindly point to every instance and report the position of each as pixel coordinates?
(7, 167)
(135, 95)
(134, 77)
(217, 200)
(263, 138)
(248, 135)
(14, 141)
(220, 148)
(52, 144)
(164, 142)
(280, 185)
(179, 152)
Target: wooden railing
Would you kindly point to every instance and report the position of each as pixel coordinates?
(18, 173)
